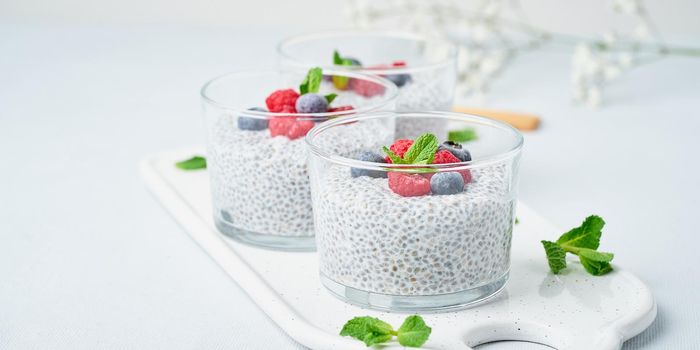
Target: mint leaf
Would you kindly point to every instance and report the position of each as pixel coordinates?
(337, 60)
(413, 332)
(194, 163)
(393, 156)
(312, 81)
(595, 262)
(331, 97)
(463, 135)
(585, 236)
(376, 338)
(582, 241)
(556, 256)
(368, 329)
(422, 151)
(341, 61)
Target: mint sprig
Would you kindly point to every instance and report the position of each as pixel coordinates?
(341, 61)
(194, 163)
(370, 330)
(331, 97)
(462, 135)
(340, 81)
(312, 81)
(422, 151)
(582, 241)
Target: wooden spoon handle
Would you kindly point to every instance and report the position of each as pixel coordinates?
(520, 121)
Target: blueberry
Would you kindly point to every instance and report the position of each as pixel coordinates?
(369, 157)
(447, 183)
(250, 123)
(456, 150)
(399, 79)
(311, 103)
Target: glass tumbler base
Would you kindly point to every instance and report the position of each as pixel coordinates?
(274, 242)
(414, 303)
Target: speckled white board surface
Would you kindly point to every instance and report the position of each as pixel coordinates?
(568, 311)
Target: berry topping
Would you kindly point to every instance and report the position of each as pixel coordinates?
(280, 125)
(408, 185)
(447, 183)
(300, 128)
(340, 82)
(290, 127)
(282, 101)
(445, 157)
(366, 88)
(368, 157)
(252, 123)
(399, 79)
(340, 109)
(399, 147)
(311, 103)
(456, 150)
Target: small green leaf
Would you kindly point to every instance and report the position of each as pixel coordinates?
(395, 159)
(595, 255)
(556, 256)
(585, 236)
(463, 135)
(517, 221)
(194, 163)
(376, 338)
(413, 332)
(595, 262)
(312, 81)
(368, 329)
(337, 60)
(331, 97)
(422, 151)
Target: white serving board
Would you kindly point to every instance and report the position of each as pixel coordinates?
(569, 311)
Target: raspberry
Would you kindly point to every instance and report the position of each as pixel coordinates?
(400, 147)
(408, 185)
(282, 101)
(289, 127)
(444, 157)
(340, 109)
(366, 88)
(299, 129)
(280, 125)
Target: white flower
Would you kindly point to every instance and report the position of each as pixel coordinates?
(611, 72)
(593, 96)
(626, 6)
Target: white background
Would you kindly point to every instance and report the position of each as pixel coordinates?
(89, 260)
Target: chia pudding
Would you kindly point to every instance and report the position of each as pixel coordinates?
(424, 70)
(372, 239)
(261, 183)
(256, 155)
(419, 225)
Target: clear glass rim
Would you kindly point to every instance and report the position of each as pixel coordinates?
(449, 60)
(391, 92)
(474, 119)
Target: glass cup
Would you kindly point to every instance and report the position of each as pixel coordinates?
(257, 161)
(424, 70)
(387, 241)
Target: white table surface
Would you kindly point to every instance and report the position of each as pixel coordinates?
(88, 259)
